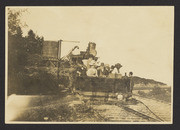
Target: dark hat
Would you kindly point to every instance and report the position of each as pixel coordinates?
(118, 65)
(131, 73)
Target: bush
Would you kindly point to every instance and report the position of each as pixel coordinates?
(157, 90)
(34, 81)
(142, 93)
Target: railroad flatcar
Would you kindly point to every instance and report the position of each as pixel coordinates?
(70, 64)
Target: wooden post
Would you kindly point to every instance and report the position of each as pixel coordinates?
(59, 49)
(59, 57)
(58, 71)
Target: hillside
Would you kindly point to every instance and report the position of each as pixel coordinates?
(143, 82)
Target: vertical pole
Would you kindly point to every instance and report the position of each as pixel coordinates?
(58, 71)
(59, 56)
(59, 49)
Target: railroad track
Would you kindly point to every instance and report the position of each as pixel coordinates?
(151, 98)
(150, 117)
(161, 109)
(140, 114)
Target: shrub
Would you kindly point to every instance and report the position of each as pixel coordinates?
(157, 90)
(34, 81)
(142, 93)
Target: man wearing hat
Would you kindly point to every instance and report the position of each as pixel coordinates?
(101, 70)
(131, 84)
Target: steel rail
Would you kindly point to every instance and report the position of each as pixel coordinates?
(144, 116)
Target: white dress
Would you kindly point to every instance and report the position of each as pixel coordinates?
(92, 72)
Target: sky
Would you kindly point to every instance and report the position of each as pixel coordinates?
(140, 38)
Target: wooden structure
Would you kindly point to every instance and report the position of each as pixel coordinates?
(101, 84)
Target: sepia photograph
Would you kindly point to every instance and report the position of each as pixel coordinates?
(89, 64)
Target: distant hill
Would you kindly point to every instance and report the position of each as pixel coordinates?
(143, 82)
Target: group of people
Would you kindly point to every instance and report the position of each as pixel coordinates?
(92, 68)
(102, 70)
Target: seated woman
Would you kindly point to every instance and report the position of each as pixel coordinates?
(92, 72)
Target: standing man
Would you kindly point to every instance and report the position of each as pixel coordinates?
(101, 70)
(72, 78)
(131, 81)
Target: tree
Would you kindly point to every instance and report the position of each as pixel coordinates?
(16, 53)
(21, 51)
(15, 40)
(21, 48)
(34, 43)
(14, 22)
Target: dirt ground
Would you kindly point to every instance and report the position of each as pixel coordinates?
(69, 108)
